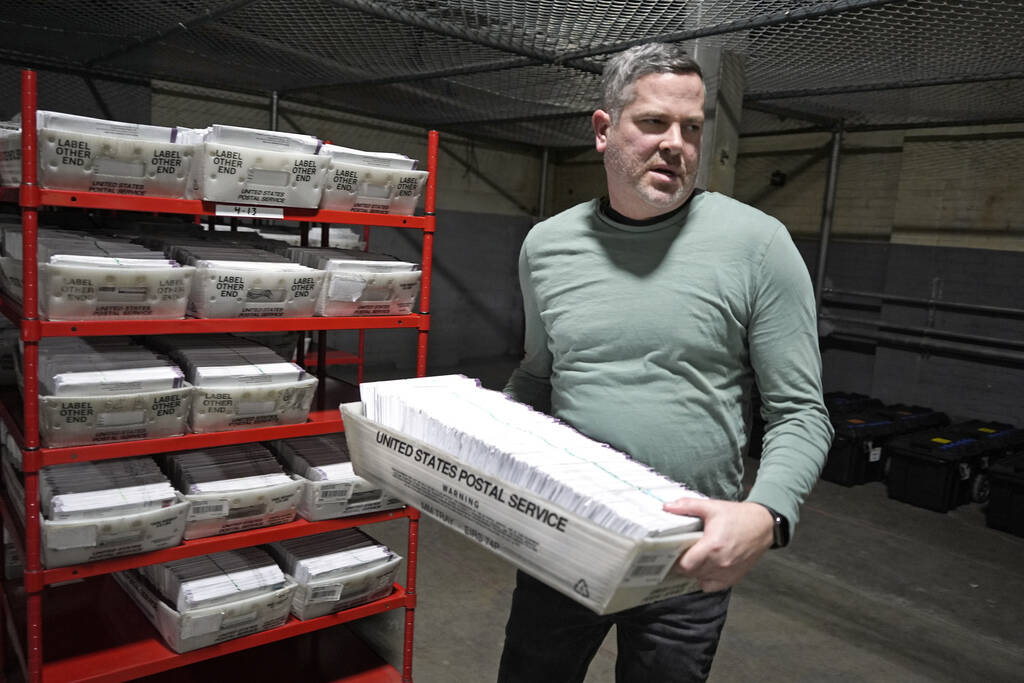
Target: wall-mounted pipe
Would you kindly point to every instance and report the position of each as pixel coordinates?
(926, 331)
(932, 346)
(920, 301)
(827, 212)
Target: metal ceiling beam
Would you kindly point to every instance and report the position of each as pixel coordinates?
(759, 21)
(140, 42)
(479, 67)
(875, 87)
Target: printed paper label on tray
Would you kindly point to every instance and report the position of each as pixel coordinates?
(249, 211)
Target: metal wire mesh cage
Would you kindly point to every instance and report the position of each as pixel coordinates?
(528, 72)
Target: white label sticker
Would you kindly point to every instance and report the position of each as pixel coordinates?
(130, 417)
(76, 536)
(207, 509)
(649, 569)
(875, 454)
(199, 626)
(325, 593)
(249, 211)
(333, 493)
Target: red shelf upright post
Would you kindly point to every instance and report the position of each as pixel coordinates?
(429, 204)
(29, 198)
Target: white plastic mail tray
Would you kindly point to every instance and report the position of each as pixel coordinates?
(329, 595)
(109, 156)
(10, 157)
(602, 570)
(90, 540)
(355, 294)
(358, 187)
(12, 270)
(228, 512)
(332, 498)
(242, 289)
(224, 408)
(82, 420)
(193, 629)
(233, 174)
(76, 292)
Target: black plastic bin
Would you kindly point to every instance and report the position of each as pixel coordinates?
(997, 440)
(844, 402)
(906, 420)
(857, 444)
(1005, 509)
(933, 469)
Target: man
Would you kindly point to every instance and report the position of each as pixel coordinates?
(649, 315)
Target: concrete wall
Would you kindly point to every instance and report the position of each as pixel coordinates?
(953, 381)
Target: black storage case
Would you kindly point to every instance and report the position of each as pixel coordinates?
(843, 402)
(997, 438)
(1005, 509)
(906, 420)
(857, 443)
(933, 469)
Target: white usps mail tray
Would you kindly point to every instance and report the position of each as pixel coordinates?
(234, 174)
(329, 595)
(78, 541)
(224, 289)
(358, 187)
(242, 406)
(205, 626)
(82, 420)
(76, 292)
(332, 498)
(354, 293)
(10, 158)
(228, 512)
(84, 162)
(602, 570)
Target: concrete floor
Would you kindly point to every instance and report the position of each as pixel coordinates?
(871, 589)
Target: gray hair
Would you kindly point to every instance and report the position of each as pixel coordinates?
(625, 68)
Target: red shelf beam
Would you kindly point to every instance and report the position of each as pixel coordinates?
(196, 207)
(331, 358)
(205, 546)
(320, 422)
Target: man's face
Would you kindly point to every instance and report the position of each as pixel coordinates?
(652, 151)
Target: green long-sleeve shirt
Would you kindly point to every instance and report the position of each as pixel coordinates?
(648, 338)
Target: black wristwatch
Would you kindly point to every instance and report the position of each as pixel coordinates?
(780, 528)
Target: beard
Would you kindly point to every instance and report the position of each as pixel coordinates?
(632, 172)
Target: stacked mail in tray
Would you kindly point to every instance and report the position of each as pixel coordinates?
(250, 166)
(239, 281)
(375, 182)
(238, 383)
(98, 510)
(204, 600)
(232, 488)
(83, 276)
(84, 154)
(335, 571)
(573, 512)
(101, 389)
(361, 283)
(330, 487)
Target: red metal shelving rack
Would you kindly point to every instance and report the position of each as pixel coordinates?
(22, 622)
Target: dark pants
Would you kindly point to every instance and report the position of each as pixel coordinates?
(551, 638)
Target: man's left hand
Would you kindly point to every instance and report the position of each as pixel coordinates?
(735, 537)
